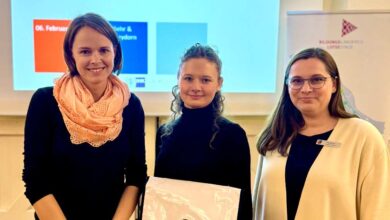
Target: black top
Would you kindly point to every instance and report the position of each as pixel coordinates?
(86, 181)
(186, 154)
(303, 153)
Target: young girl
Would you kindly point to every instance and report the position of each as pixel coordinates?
(198, 143)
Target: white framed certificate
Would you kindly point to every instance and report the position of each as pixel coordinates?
(171, 199)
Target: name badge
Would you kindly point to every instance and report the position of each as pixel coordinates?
(326, 143)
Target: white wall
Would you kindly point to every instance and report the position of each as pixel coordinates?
(367, 4)
(337, 5)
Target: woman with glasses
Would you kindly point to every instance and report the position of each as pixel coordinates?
(317, 160)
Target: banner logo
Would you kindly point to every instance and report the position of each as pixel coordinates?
(347, 28)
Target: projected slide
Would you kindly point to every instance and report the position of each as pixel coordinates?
(153, 36)
(48, 35)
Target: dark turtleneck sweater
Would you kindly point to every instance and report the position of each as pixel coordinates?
(186, 154)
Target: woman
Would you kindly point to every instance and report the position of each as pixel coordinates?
(84, 138)
(198, 144)
(320, 162)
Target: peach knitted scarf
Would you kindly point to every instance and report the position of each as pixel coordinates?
(87, 120)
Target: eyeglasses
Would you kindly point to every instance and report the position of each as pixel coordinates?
(315, 82)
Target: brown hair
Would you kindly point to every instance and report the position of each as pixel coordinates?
(286, 119)
(100, 25)
(196, 51)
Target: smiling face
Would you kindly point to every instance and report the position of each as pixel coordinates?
(309, 101)
(94, 56)
(198, 82)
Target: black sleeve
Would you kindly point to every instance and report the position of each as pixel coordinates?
(136, 168)
(158, 140)
(240, 169)
(38, 138)
(157, 149)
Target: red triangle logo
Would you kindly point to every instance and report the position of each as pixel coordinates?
(347, 28)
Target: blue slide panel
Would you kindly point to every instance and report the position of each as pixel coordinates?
(172, 41)
(133, 37)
